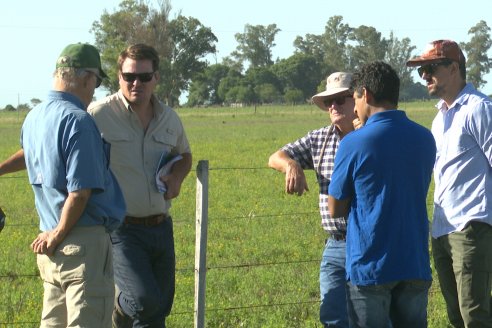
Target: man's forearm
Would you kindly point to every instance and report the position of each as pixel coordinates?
(14, 163)
(338, 207)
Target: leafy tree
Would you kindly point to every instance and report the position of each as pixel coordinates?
(294, 96)
(23, 107)
(255, 44)
(35, 102)
(191, 41)
(336, 57)
(256, 76)
(369, 46)
(232, 80)
(301, 72)
(310, 45)
(397, 54)
(233, 63)
(10, 108)
(478, 63)
(181, 43)
(204, 87)
(128, 25)
(267, 93)
(329, 49)
(245, 95)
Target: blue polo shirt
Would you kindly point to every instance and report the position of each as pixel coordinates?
(64, 152)
(385, 168)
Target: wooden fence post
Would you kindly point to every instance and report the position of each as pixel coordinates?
(201, 241)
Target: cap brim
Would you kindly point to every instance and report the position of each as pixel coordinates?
(419, 61)
(319, 98)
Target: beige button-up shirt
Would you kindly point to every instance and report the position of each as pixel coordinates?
(135, 153)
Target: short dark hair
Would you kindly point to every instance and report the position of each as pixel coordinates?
(140, 51)
(380, 79)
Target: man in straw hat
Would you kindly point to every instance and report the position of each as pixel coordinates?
(461, 227)
(316, 151)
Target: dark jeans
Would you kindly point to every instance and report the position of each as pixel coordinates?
(402, 304)
(463, 262)
(144, 271)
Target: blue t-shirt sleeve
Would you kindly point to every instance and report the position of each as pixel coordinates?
(341, 185)
(84, 156)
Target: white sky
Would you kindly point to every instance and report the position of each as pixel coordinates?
(34, 32)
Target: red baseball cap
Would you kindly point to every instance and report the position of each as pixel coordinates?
(437, 51)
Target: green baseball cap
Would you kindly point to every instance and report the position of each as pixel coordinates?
(80, 55)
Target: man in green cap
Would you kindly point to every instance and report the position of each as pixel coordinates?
(78, 200)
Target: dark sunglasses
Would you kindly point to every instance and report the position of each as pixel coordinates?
(142, 77)
(430, 69)
(98, 78)
(339, 100)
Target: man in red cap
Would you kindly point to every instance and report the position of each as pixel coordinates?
(462, 220)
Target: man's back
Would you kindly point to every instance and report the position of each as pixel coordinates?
(390, 161)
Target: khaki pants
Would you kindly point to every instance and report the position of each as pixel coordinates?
(78, 280)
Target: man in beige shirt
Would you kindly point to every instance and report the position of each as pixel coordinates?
(140, 130)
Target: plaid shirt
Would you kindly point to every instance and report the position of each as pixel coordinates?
(316, 151)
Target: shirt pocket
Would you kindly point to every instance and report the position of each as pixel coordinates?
(122, 148)
(167, 139)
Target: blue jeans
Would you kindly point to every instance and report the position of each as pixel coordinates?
(399, 304)
(332, 285)
(144, 271)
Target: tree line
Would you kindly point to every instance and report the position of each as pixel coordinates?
(250, 74)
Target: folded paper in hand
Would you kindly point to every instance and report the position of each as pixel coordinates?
(164, 168)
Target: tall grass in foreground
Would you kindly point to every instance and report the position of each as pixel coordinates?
(264, 246)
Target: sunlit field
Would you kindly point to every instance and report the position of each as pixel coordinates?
(264, 246)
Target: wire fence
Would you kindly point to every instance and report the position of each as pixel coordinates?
(225, 264)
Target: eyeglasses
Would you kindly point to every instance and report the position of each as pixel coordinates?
(98, 78)
(142, 77)
(339, 100)
(430, 69)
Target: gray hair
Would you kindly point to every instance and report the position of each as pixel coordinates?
(70, 76)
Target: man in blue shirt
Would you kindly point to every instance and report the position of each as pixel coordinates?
(461, 227)
(77, 198)
(380, 181)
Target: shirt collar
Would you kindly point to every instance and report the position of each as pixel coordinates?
(66, 96)
(459, 101)
(156, 106)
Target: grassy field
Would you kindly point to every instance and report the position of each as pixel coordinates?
(264, 246)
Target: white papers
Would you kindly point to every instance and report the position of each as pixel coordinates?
(164, 168)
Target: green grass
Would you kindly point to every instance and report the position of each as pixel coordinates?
(264, 246)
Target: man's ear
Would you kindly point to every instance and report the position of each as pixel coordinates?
(368, 97)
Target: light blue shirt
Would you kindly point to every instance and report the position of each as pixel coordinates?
(462, 172)
(64, 152)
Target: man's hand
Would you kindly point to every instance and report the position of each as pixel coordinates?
(357, 123)
(45, 243)
(173, 186)
(295, 180)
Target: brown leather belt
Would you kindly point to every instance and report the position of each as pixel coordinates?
(150, 221)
